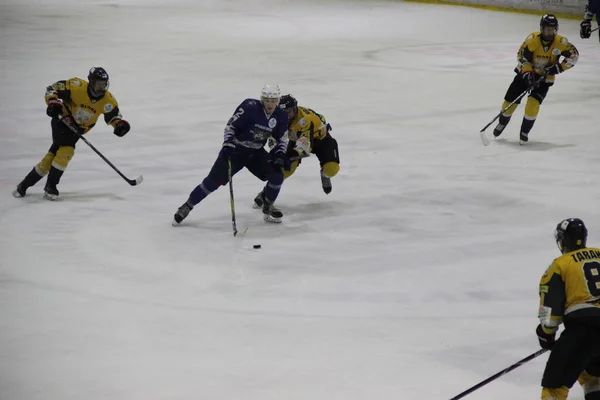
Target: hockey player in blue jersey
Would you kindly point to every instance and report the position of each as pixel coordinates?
(246, 133)
(592, 7)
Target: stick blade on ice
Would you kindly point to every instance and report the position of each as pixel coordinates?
(485, 138)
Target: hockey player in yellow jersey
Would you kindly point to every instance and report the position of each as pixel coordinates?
(570, 294)
(308, 133)
(76, 103)
(539, 61)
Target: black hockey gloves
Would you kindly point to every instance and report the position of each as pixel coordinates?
(528, 77)
(227, 150)
(547, 340)
(121, 128)
(281, 160)
(585, 29)
(554, 69)
(55, 108)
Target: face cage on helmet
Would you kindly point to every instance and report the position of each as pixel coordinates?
(98, 86)
(553, 31)
(558, 239)
(291, 112)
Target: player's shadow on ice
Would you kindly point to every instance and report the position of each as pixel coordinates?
(314, 210)
(73, 196)
(532, 145)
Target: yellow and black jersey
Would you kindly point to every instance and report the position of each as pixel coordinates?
(535, 54)
(85, 110)
(570, 288)
(307, 126)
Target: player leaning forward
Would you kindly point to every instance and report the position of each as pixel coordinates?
(72, 104)
(245, 136)
(539, 62)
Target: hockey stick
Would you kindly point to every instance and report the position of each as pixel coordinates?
(132, 182)
(484, 138)
(231, 199)
(499, 374)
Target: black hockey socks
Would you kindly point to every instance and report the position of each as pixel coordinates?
(31, 179)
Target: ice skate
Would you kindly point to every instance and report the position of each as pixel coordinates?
(50, 193)
(326, 183)
(182, 213)
(271, 213)
(498, 130)
(19, 192)
(259, 200)
(523, 138)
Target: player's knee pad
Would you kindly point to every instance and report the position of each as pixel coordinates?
(555, 394)
(590, 385)
(293, 166)
(331, 169)
(511, 110)
(64, 154)
(43, 167)
(532, 108)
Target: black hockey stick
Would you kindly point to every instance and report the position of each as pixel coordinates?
(231, 199)
(132, 182)
(499, 374)
(486, 140)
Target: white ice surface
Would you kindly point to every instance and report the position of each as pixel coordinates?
(416, 278)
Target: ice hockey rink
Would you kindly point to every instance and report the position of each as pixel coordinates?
(416, 278)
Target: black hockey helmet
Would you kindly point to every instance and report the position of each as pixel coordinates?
(98, 81)
(548, 26)
(290, 105)
(570, 235)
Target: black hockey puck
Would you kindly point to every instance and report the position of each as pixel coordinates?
(256, 246)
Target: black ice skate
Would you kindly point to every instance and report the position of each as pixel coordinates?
(50, 192)
(523, 138)
(259, 200)
(182, 213)
(498, 130)
(20, 191)
(326, 183)
(271, 213)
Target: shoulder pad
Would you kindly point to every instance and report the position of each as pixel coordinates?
(531, 36)
(75, 82)
(250, 103)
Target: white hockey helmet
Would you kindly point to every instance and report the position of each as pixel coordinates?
(269, 97)
(270, 91)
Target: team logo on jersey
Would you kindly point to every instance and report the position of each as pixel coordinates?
(108, 108)
(556, 52)
(272, 123)
(82, 115)
(75, 82)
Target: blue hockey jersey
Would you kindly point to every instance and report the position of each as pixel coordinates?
(250, 127)
(592, 7)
